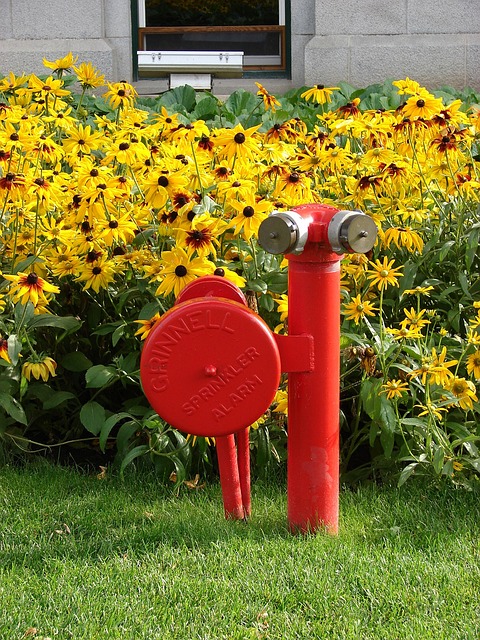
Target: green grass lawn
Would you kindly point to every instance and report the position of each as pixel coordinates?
(91, 559)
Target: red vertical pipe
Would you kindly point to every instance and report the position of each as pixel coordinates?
(314, 397)
(243, 450)
(229, 477)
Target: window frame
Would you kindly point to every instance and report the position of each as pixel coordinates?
(253, 63)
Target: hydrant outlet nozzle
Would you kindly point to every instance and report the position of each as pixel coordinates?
(283, 232)
(351, 232)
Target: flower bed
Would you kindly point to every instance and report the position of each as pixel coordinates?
(111, 205)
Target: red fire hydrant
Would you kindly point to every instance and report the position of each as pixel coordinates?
(314, 237)
(211, 366)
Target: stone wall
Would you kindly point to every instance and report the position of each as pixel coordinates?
(436, 42)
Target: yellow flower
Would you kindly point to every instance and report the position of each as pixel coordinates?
(383, 273)
(414, 320)
(281, 402)
(146, 326)
(62, 64)
(319, 93)
(120, 95)
(97, 275)
(269, 101)
(237, 143)
(81, 140)
(464, 391)
(4, 350)
(29, 288)
(473, 364)
(394, 389)
(430, 409)
(250, 215)
(423, 106)
(88, 76)
(43, 369)
(357, 309)
(180, 269)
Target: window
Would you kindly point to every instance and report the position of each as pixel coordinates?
(256, 27)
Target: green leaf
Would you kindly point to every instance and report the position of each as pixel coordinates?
(257, 285)
(13, 408)
(266, 302)
(108, 425)
(67, 323)
(99, 376)
(472, 247)
(134, 453)
(14, 348)
(438, 459)
(445, 249)
(75, 361)
(118, 334)
(57, 398)
(240, 101)
(92, 416)
(407, 472)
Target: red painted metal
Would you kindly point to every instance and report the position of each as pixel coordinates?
(210, 366)
(314, 396)
(230, 478)
(243, 457)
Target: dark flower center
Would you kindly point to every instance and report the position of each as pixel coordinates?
(239, 138)
(294, 177)
(32, 279)
(102, 186)
(248, 212)
(113, 224)
(420, 103)
(236, 184)
(219, 272)
(180, 271)
(123, 146)
(39, 181)
(96, 271)
(163, 181)
(14, 136)
(94, 173)
(320, 86)
(81, 141)
(121, 92)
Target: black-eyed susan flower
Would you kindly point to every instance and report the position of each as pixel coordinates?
(120, 95)
(237, 142)
(179, 269)
(62, 64)
(415, 320)
(88, 76)
(394, 389)
(422, 105)
(146, 326)
(357, 309)
(97, 274)
(29, 287)
(383, 274)
(269, 101)
(473, 364)
(319, 93)
(250, 214)
(4, 350)
(81, 140)
(39, 368)
(463, 390)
